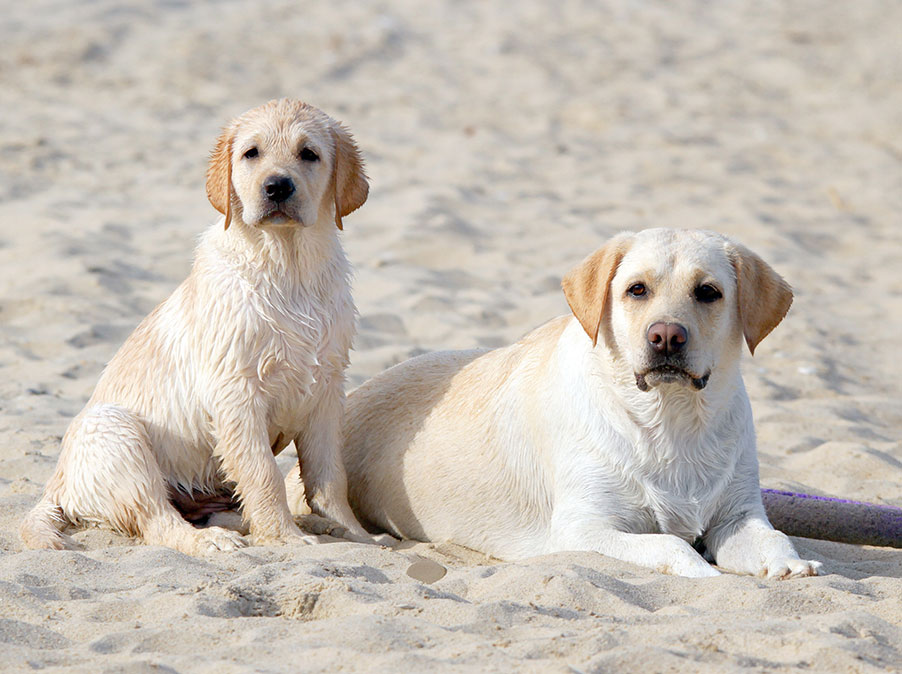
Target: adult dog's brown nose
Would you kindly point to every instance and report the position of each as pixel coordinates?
(278, 188)
(667, 338)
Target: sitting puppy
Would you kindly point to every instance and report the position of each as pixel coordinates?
(624, 428)
(245, 356)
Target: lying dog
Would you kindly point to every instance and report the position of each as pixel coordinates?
(245, 356)
(624, 428)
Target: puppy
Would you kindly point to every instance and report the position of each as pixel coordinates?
(245, 356)
(624, 429)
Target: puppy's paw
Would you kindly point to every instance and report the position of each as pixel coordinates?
(69, 543)
(290, 538)
(303, 539)
(385, 540)
(784, 569)
(320, 526)
(60, 541)
(212, 539)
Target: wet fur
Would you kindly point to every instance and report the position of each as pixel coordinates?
(247, 354)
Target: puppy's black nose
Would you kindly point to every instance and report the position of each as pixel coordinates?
(667, 337)
(278, 188)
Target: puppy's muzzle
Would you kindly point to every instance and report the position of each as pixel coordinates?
(278, 188)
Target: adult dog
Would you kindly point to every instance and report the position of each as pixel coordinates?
(624, 429)
(245, 356)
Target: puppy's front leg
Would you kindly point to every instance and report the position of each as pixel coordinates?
(662, 552)
(319, 453)
(247, 459)
(747, 543)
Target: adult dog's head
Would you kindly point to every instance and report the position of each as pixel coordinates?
(285, 163)
(673, 305)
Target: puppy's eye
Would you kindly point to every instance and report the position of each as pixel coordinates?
(637, 290)
(250, 154)
(707, 293)
(309, 155)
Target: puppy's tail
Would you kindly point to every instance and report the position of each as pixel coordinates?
(43, 526)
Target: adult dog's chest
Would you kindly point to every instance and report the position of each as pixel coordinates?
(676, 484)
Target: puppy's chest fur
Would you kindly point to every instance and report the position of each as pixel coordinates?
(282, 324)
(304, 333)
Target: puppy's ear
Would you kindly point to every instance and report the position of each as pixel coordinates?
(219, 174)
(349, 182)
(587, 286)
(762, 294)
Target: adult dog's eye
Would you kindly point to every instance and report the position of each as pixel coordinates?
(309, 155)
(637, 290)
(250, 154)
(707, 293)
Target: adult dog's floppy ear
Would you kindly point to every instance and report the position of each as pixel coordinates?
(219, 174)
(348, 179)
(763, 296)
(587, 286)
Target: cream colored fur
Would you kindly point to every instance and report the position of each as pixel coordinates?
(550, 444)
(245, 356)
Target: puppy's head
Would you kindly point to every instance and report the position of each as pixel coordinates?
(285, 163)
(674, 305)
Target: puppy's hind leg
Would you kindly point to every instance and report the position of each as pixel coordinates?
(110, 476)
(43, 526)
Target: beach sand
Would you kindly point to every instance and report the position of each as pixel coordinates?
(505, 142)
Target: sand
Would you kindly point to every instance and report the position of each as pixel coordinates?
(505, 141)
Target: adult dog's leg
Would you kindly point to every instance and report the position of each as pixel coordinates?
(749, 544)
(742, 539)
(662, 552)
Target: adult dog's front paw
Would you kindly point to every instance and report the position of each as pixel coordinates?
(784, 569)
(690, 569)
(678, 558)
